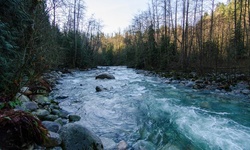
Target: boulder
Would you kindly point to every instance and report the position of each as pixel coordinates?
(108, 144)
(74, 118)
(75, 136)
(62, 97)
(170, 147)
(56, 148)
(29, 106)
(52, 126)
(105, 76)
(144, 145)
(63, 114)
(122, 145)
(25, 91)
(61, 121)
(41, 113)
(100, 88)
(50, 117)
(42, 100)
(22, 97)
(198, 81)
(245, 91)
(53, 140)
(190, 84)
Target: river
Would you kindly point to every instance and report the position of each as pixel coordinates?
(137, 107)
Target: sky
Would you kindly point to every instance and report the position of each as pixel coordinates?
(116, 14)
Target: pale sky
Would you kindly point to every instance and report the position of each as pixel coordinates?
(116, 14)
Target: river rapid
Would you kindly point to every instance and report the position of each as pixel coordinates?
(138, 107)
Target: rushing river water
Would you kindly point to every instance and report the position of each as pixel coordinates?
(161, 116)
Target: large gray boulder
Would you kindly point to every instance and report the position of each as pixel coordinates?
(52, 126)
(105, 76)
(29, 106)
(77, 137)
(53, 140)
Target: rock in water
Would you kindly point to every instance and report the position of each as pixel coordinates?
(122, 145)
(75, 136)
(105, 76)
(100, 88)
(74, 118)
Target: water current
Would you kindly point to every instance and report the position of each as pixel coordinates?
(138, 107)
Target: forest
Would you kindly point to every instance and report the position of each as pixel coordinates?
(180, 35)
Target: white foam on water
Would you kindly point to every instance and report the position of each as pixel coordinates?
(209, 131)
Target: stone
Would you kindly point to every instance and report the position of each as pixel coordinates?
(25, 91)
(41, 113)
(245, 91)
(42, 100)
(100, 88)
(75, 136)
(170, 147)
(190, 84)
(63, 114)
(122, 145)
(56, 148)
(105, 76)
(52, 126)
(62, 97)
(61, 121)
(55, 111)
(108, 144)
(144, 145)
(30, 106)
(51, 117)
(205, 105)
(198, 81)
(53, 140)
(22, 97)
(54, 107)
(74, 118)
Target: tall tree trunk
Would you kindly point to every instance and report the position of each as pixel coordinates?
(54, 13)
(186, 61)
(75, 40)
(165, 18)
(183, 58)
(211, 22)
(200, 39)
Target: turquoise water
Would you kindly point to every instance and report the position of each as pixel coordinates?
(137, 107)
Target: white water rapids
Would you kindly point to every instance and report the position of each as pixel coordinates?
(137, 107)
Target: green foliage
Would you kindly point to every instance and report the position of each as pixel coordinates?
(152, 58)
(15, 103)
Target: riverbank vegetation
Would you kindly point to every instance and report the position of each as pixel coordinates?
(202, 36)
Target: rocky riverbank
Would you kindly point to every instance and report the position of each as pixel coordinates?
(223, 83)
(63, 132)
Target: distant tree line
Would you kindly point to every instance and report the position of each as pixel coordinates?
(187, 35)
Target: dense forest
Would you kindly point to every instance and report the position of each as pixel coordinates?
(181, 35)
